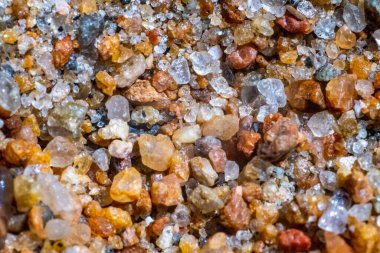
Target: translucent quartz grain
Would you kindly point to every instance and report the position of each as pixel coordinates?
(62, 152)
(118, 108)
(334, 218)
(9, 95)
(57, 229)
(321, 123)
(179, 70)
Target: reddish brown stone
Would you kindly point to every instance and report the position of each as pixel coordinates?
(167, 192)
(62, 51)
(153, 36)
(305, 178)
(13, 123)
(231, 14)
(143, 204)
(270, 120)
(280, 137)
(101, 226)
(293, 240)
(159, 224)
(235, 213)
(333, 146)
(218, 159)
(130, 24)
(242, 57)
(247, 142)
(305, 95)
(291, 24)
(206, 8)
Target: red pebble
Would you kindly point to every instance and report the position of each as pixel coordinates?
(292, 24)
(293, 240)
(242, 57)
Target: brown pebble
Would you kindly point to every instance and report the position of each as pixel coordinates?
(358, 186)
(153, 36)
(261, 61)
(242, 57)
(62, 51)
(247, 142)
(206, 8)
(377, 95)
(279, 139)
(305, 178)
(305, 95)
(13, 123)
(143, 92)
(333, 146)
(341, 93)
(232, 108)
(17, 151)
(143, 204)
(101, 226)
(270, 120)
(159, 224)
(231, 14)
(20, 9)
